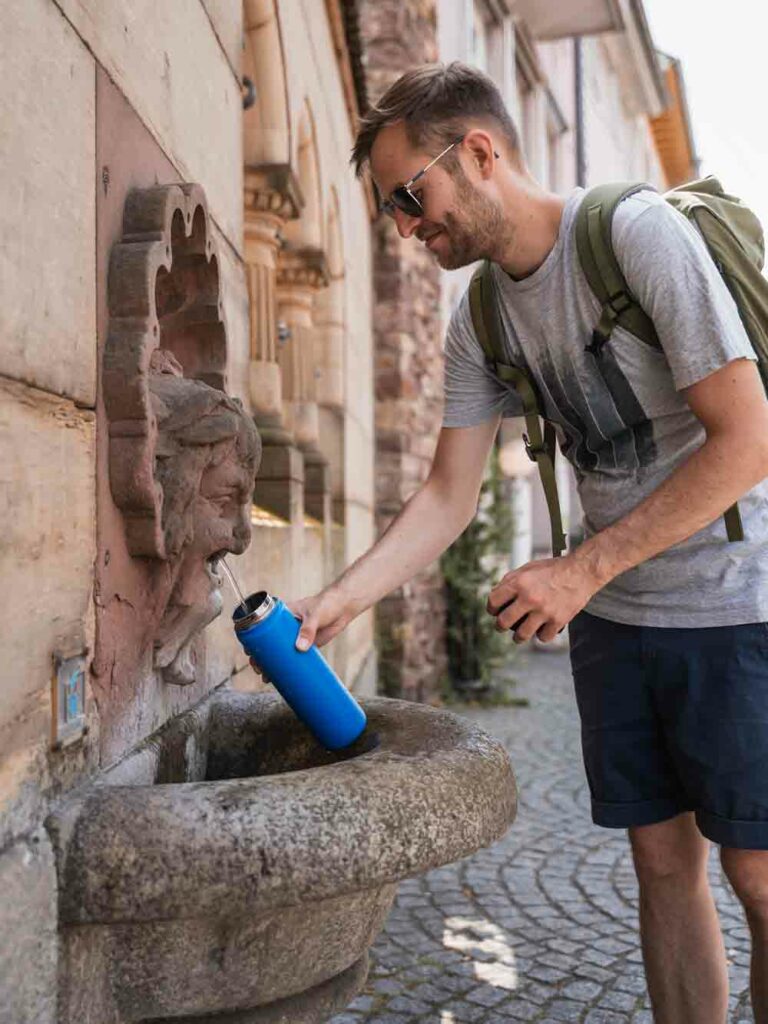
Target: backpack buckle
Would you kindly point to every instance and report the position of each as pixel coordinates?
(530, 451)
(619, 302)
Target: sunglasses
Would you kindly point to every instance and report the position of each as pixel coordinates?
(403, 199)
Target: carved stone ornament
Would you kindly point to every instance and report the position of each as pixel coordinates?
(182, 454)
(273, 189)
(305, 266)
(163, 291)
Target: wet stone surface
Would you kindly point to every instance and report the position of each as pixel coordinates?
(543, 926)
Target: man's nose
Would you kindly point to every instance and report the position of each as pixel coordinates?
(406, 225)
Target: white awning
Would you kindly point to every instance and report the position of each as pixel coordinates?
(553, 19)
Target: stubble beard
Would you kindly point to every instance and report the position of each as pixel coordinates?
(475, 233)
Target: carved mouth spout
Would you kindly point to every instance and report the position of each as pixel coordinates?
(174, 655)
(213, 569)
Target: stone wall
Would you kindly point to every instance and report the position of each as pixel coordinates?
(176, 74)
(397, 35)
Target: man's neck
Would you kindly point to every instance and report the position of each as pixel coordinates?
(534, 217)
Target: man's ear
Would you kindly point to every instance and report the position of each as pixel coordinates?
(481, 151)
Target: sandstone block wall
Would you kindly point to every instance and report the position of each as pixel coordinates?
(176, 66)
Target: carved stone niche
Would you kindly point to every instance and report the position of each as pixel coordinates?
(182, 454)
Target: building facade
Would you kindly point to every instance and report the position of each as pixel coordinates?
(256, 105)
(323, 322)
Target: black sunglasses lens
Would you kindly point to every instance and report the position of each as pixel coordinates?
(404, 201)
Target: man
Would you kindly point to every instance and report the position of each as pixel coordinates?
(670, 657)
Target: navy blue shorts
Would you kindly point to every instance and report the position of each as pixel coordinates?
(675, 720)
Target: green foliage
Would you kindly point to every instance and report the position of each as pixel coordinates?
(471, 567)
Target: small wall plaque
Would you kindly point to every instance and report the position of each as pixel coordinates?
(68, 698)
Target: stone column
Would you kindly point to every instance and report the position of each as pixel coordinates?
(272, 197)
(329, 386)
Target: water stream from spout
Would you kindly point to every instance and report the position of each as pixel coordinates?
(233, 583)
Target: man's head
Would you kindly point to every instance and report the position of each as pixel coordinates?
(421, 117)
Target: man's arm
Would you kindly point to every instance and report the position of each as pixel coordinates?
(426, 525)
(732, 407)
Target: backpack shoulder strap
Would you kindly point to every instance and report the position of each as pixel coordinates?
(540, 447)
(594, 243)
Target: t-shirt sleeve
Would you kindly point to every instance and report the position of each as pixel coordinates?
(671, 273)
(472, 393)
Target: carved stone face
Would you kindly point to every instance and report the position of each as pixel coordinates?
(207, 454)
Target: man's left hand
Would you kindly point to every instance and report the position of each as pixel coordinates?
(546, 594)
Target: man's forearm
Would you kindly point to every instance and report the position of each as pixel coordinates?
(699, 490)
(426, 525)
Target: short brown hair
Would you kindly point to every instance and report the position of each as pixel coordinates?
(434, 101)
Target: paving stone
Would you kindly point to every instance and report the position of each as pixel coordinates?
(386, 986)
(551, 975)
(600, 1016)
(565, 1009)
(631, 983)
(454, 983)
(594, 973)
(586, 991)
(487, 996)
(625, 1002)
(362, 1003)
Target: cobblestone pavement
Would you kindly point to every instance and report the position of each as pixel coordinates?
(542, 926)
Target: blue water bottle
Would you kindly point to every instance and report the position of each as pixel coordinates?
(304, 679)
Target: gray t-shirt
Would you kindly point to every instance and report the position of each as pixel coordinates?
(621, 421)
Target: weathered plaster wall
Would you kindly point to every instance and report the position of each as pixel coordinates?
(47, 551)
(176, 68)
(47, 217)
(47, 384)
(172, 68)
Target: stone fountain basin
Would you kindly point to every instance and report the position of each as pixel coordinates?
(231, 862)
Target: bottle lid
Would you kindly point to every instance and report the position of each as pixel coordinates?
(259, 605)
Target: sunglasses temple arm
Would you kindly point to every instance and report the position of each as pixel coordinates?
(431, 163)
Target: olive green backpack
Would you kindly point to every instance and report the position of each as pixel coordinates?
(734, 238)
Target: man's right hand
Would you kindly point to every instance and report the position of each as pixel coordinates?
(322, 616)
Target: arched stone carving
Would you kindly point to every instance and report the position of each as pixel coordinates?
(329, 318)
(182, 454)
(301, 272)
(329, 362)
(163, 292)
